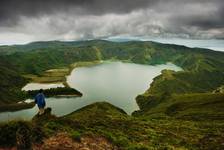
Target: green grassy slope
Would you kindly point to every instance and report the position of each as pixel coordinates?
(146, 133)
(203, 69)
(126, 132)
(197, 106)
(10, 82)
(203, 72)
(178, 111)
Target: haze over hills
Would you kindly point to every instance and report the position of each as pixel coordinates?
(214, 44)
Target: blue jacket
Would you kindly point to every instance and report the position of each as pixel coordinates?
(40, 100)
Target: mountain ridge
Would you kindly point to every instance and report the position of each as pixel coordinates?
(195, 62)
(180, 110)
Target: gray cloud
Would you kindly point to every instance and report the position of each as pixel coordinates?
(11, 10)
(85, 19)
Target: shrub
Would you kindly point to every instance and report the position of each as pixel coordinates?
(75, 135)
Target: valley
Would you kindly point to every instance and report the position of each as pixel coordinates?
(179, 110)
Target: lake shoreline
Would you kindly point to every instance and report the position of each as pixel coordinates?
(16, 107)
(58, 75)
(96, 64)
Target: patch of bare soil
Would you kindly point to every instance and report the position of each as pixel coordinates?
(62, 141)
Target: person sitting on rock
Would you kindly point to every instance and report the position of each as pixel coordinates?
(40, 101)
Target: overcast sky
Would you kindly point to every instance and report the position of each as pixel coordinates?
(23, 21)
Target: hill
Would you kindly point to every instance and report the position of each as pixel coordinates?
(201, 66)
(180, 110)
(11, 81)
(104, 126)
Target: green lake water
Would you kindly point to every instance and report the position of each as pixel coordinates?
(115, 82)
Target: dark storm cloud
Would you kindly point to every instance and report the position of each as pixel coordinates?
(205, 15)
(11, 10)
(85, 19)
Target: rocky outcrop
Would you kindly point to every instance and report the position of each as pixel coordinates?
(219, 90)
